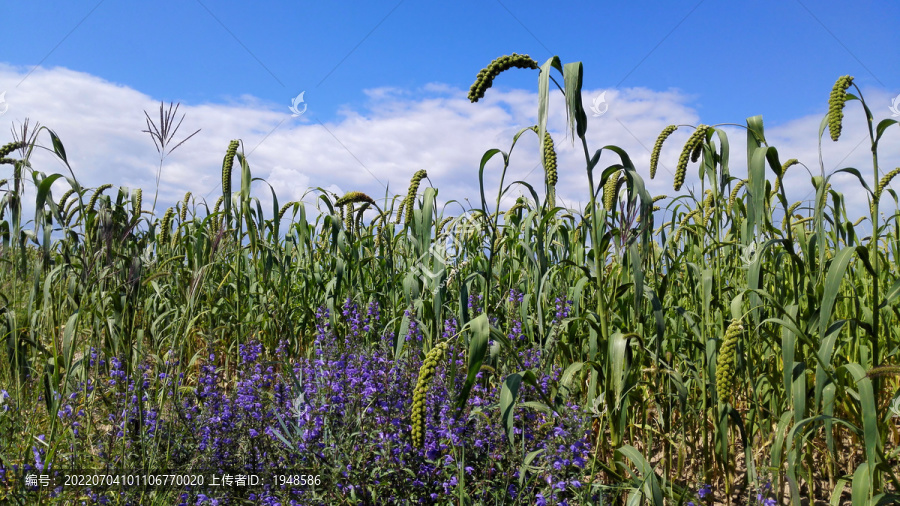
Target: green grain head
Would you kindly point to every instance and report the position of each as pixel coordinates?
(218, 204)
(442, 224)
(426, 373)
(62, 200)
(725, 369)
(550, 161)
(486, 76)
(9, 147)
(657, 148)
(138, 195)
(354, 198)
(165, 225)
(66, 214)
(284, 209)
(734, 194)
(684, 222)
(348, 216)
(886, 180)
(611, 190)
(182, 216)
(696, 139)
(520, 204)
(102, 188)
(836, 105)
(708, 207)
(227, 165)
(411, 194)
(784, 168)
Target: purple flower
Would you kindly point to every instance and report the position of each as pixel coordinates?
(705, 489)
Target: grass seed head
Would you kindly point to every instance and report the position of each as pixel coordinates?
(227, 165)
(284, 209)
(836, 105)
(485, 77)
(734, 193)
(182, 216)
(611, 190)
(354, 198)
(10, 147)
(411, 194)
(657, 148)
(102, 188)
(442, 224)
(684, 222)
(725, 370)
(62, 200)
(695, 154)
(138, 195)
(165, 225)
(66, 214)
(707, 207)
(550, 161)
(426, 373)
(886, 180)
(348, 217)
(218, 204)
(693, 141)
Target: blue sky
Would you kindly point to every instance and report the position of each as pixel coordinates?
(373, 72)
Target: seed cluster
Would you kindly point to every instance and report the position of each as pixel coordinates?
(550, 160)
(218, 204)
(182, 216)
(9, 148)
(696, 139)
(407, 204)
(227, 165)
(62, 200)
(102, 188)
(165, 225)
(426, 373)
(520, 204)
(684, 222)
(784, 168)
(708, 207)
(69, 209)
(836, 105)
(886, 180)
(611, 190)
(284, 209)
(138, 194)
(354, 198)
(486, 76)
(657, 148)
(442, 224)
(348, 217)
(725, 364)
(734, 193)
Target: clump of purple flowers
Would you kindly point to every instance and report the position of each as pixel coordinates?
(342, 412)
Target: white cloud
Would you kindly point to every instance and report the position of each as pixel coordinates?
(401, 131)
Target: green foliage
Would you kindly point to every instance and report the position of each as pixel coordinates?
(798, 388)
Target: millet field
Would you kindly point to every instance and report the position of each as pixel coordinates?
(723, 346)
